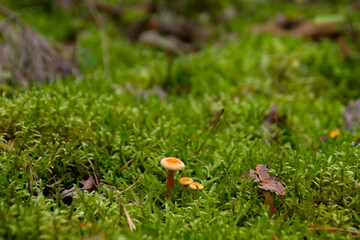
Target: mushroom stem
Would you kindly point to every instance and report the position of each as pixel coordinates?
(169, 182)
(185, 189)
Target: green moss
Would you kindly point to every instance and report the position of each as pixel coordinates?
(95, 123)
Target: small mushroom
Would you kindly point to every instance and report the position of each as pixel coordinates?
(334, 133)
(171, 164)
(185, 181)
(196, 186)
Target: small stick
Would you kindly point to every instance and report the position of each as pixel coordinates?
(132, 185)
(215, 124)
(131, 160)
(96, 179)
(312, 227)
(277, 134)
(130, 222)
(356, 143)
(32, 175)
(202, 163)
(212, 123)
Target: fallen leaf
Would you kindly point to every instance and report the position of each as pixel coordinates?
(166, 43)
(310, 30)
(68, 192)
(88, 185)
(266, 181)
(176, 26)
(155, 39)
(286, 22)
(273, 185)
(229, 13)
(254, 176)
(300, 28)
(169, 32)
(262, 171)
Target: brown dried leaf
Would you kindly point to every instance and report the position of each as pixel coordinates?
(299, 28)
(69, 192)
(254, 176)
(269, 183)
(262, 171)
(88, 185)
(145, 93)
(166, 43)
(176, 26)
(274, 186)
(309, 30)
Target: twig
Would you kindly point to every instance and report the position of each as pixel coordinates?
(312, 227)
(132, 185)
(356, 143)
(96, 179)
(131, 160)
(32, 175)
(202, 163)
(91, 177)
(277, 134)
(142, 210)
(130, 222)
(212, 123)
(213, 128)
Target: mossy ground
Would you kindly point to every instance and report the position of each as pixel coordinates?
(76, 125)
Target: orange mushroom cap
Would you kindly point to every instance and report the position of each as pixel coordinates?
(186, 181)
(172, 164)
(196, 185)
(334, 133)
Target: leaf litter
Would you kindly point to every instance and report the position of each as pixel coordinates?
(322, 27)
(89, 186)
(266, 183)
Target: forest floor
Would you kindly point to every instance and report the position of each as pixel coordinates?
(284, 94)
